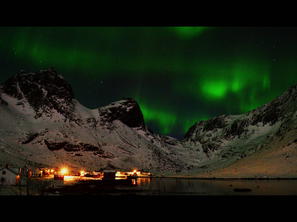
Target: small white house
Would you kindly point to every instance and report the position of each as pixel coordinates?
(9, 176)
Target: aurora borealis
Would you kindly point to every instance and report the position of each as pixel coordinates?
(178, 75)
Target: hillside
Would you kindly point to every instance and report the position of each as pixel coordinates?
(42, 124)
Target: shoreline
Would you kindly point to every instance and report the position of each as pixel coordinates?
(226, 178)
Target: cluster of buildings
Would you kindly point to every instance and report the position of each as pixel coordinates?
(132, 174)
(15, 176)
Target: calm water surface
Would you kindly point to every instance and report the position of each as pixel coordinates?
(159, 187)
(178, 186)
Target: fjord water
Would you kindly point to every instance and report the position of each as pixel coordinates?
(181, 186)
(161, 187)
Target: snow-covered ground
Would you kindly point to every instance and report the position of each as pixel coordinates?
(58, 130)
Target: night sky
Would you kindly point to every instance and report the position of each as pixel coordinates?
(178, 75)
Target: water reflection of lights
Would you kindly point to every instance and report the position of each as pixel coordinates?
(68, 180)
(141, 181)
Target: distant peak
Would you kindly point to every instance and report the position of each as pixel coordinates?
(126, 110)
(49, 72)
(43, 89)
(31, 82)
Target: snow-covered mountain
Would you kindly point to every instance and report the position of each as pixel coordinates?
(42, 124)
(269, 130)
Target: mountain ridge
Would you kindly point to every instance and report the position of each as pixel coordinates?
(42, 123)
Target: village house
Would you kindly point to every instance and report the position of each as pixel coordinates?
(109, 174)
(10, 176)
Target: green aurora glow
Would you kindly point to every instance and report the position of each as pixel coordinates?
(179, 75)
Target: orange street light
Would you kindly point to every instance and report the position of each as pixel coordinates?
(64, 171)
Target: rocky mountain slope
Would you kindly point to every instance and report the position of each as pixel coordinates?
(269, 130)
(42, 124)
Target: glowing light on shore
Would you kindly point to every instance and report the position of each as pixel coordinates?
(70, 179)
(64, 171)
(135, 171)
